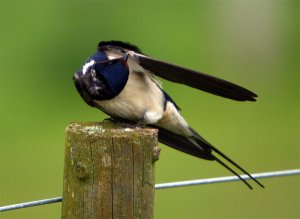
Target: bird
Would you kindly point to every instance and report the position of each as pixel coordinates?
(121, 80)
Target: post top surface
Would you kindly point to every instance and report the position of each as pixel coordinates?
(109, 127)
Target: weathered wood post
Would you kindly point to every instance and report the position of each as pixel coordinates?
(109, 171)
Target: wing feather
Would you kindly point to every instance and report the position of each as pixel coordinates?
(195, 79)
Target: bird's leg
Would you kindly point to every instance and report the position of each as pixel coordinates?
(141, 123)
(109, 120)
(127, 123)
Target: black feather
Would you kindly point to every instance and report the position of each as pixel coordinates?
(196, 79)
(183, 144)
(80, 88)
(121, 44)
(202, 141)
(203, 150)
(178, 74)
(169, 99)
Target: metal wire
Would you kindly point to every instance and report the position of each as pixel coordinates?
(226, 179)
(31, 204)
(169, 185)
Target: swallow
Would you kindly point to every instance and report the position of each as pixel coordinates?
(120, 80)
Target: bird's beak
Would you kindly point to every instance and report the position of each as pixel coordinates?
(124, 60)
(126, 57)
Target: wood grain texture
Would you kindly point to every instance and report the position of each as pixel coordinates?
(109, 171)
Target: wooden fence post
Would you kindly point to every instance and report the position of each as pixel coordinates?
(109, 171)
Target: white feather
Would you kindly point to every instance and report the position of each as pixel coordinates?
(173, 121)
(87, 65)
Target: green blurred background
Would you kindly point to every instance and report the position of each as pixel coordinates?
(252, 43)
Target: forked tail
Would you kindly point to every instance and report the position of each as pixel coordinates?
(199, 147)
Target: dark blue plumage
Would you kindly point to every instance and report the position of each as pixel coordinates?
(98, 57)
(119, 80)
(115, 74)
(101, 78)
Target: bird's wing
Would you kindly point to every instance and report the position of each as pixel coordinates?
(195, 79)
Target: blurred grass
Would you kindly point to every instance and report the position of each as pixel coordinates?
(252, 43)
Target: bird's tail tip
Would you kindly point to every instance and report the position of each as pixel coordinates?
(212, 149)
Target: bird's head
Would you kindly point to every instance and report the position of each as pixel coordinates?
(102, 78)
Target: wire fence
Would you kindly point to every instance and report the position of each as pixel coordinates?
(168, 185)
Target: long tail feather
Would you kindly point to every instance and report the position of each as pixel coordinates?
(203, 141)
(199, 147)
(231, 170)
(236, 165)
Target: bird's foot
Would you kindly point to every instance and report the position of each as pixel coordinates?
(126, 123)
